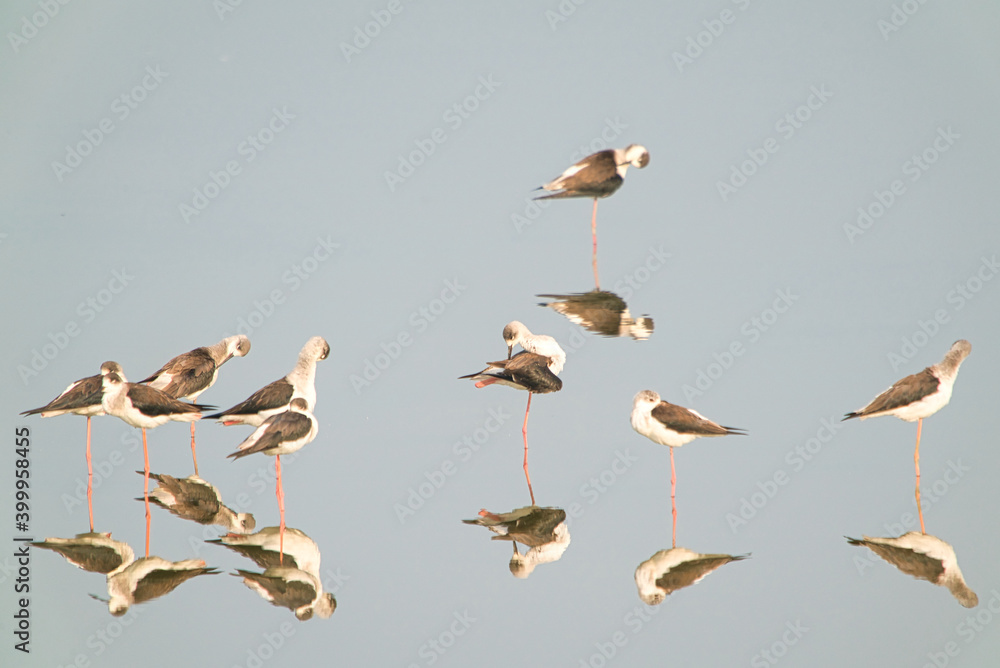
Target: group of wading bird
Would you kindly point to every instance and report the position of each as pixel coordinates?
(281, 413)
(536, 370)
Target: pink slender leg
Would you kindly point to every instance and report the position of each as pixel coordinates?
(593, 233)
(90, 480)
(524, 432)
(194, 455)
(145, 490)
(279, 492)
(673, 496)
(916, 463)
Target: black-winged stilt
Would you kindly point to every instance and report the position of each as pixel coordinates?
(189, 374)
(669, 570)
(275, 397)
(92, 552)
(194, 499)
(602, 312)
(281, 434)
(673, 426)
(918, 396)
(145, 408)
(297, 584)
(925, 557)
(149, 578)
(542, 530)
(524, 371)
(81, 398)
(598, 175)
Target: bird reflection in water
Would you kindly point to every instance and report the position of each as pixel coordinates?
(149, 578)
(669, 570)
(542, 530)
(925, 557)
(601, 312)
(194, 499)
(92, 552)
(129, 580)
(293, 582)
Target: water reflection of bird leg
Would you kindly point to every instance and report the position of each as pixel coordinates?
(673, 496)
(90, 480)
(593, 233)
(194, 455)
(281, 511)
(145, 491)
(916, 464)
(524, 432)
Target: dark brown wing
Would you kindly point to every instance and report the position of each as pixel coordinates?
(161, 582)
(690, 572)
(271, 396)
(263, 558)
(91, 558)
(532, 372)
(597, 311)
(278, 429)
(152, 402)
(912, 563)
(191, 372)
(84, 393)
(903, 393)
(536, 528)
(598, 177)
(195, 501)
(289, 594)
(684, 421)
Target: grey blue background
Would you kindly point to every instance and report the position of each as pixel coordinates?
(563, 79)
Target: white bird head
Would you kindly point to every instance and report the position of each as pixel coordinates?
(237, 346)
(646, 399)
(637, 156)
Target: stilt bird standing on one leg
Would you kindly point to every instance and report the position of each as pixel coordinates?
(918, 396)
